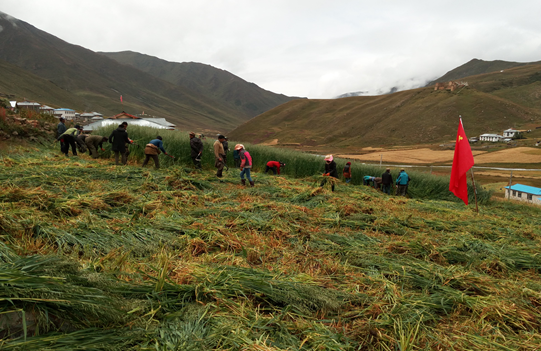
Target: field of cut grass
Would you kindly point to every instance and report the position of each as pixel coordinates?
(101, 257)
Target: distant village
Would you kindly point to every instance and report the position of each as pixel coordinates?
(93, 120)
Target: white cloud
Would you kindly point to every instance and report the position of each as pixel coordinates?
(317, 48)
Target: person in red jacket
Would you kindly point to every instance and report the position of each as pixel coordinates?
(274, 166)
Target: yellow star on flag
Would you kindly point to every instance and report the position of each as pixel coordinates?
(460, 138)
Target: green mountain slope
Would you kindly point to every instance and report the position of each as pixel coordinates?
(99, 81)
(247, 98)
(25, 85)
(491, 103)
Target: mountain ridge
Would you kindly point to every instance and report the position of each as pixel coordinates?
(98, 81)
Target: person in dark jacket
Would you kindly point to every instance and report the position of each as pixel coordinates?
(347, 172)
(274, 166)
(60, 129)
(330, 169)
(402, 182)
(152, 150)
(196, 146)
(387, 181)
(236, 158)
(119, 139)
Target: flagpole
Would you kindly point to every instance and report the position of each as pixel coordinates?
(474, 191)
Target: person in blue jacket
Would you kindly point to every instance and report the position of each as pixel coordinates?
(152, 150)
(402, 183)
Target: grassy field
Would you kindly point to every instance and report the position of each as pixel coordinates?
(101, 257)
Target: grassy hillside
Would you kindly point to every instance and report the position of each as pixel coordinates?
(491, 103)
(94, 256)
(476, 67)
(247, 98)
(97, 81)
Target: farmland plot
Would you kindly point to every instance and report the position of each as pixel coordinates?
(94, 256)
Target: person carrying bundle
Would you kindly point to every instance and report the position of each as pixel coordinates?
(330, 169)
(152, 150)
(93, 142)
(274, 166)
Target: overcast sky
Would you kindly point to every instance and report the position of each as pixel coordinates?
(315, 48)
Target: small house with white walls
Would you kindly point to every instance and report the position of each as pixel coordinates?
(490, 137)
(512, 133)
(66, 113)
(523, 193)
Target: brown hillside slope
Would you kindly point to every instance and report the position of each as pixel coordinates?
(404, 118)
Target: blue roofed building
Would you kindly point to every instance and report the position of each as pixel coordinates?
(524, 193)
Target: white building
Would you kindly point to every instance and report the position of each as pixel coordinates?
(512, 133)
(66, 113)
(490, 137)
(46, 109)
(158, 123)
(523, 193)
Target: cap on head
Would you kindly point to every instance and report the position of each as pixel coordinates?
(328, 158)
(402, 170)
(221, 136)
(62, 119)
(348, 163)
(159, 137)
(239, 147)
(77, 126)
(192, 133)
(388, 169)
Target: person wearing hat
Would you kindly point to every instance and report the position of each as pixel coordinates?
(274, 166)
(119, 139)
(245, 164)
(347, 172)
(386, 181)
(402, 183)
(93, 142)
(219, 155)
(69, 137)
(330, 169)
(152, 150)
(196, 146)
(60, 129)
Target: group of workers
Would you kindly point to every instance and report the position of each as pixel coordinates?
(74, 138)
(383, 183)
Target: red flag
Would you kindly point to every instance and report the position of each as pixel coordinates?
(121, 99)
(462, 162)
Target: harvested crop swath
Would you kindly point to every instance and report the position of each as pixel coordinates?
(94, 256)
